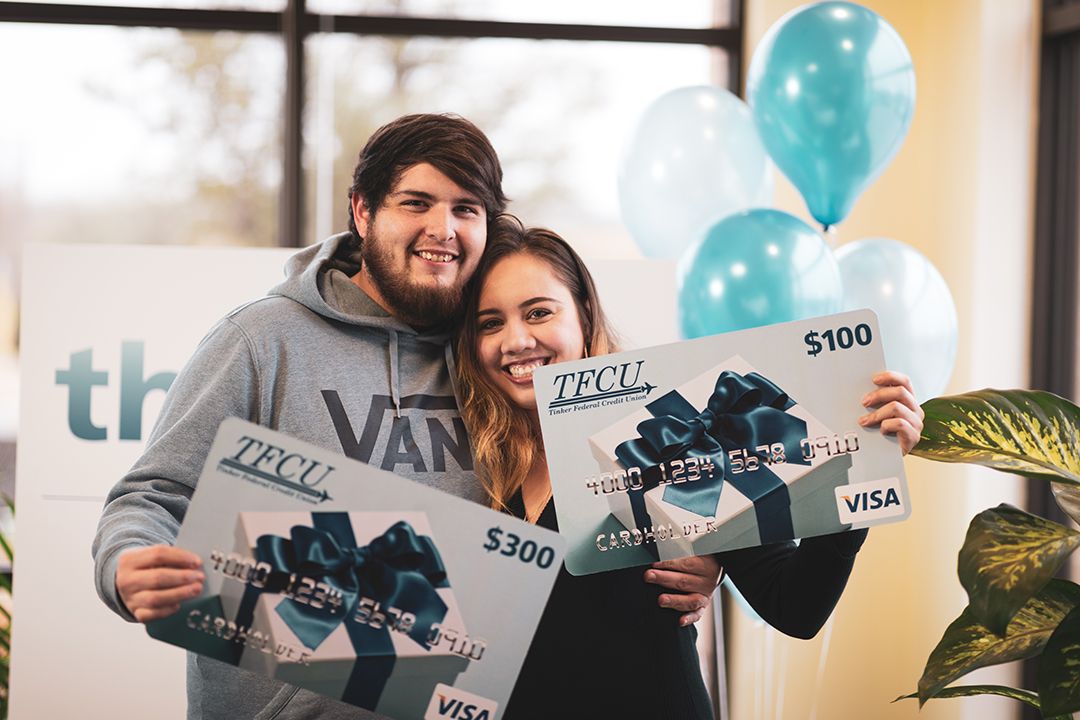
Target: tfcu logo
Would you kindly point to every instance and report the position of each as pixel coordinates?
(606, 385)
(869, 501)
(450, 703)
(263, 462)
(81, 379)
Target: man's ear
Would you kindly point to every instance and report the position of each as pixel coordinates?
(361, 214)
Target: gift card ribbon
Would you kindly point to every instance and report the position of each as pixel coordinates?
(743, 412)
(399, 569)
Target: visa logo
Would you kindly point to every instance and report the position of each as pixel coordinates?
(450, 703)
(456, 709)
(870, 501)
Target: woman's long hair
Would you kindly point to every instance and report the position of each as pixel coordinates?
(505, 437)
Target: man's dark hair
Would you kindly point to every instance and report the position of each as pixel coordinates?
(450, 143)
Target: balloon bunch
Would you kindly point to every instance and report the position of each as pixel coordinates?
(832, 92)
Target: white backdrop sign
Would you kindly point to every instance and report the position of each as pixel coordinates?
(104, 330)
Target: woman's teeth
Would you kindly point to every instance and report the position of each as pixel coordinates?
(435, 257)
(525, 369)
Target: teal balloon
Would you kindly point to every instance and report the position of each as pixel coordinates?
(916, 313)
(756, 268)
(832, 88)
(693, 158)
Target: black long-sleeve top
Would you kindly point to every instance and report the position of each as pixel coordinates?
(605, 648)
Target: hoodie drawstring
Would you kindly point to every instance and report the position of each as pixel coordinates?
(448, 353)
(395, 384)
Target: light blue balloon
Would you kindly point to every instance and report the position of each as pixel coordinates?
(694, 157)
(832, 88)
(916, 314)
(756, 268)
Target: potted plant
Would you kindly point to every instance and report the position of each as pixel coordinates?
(1017, 608)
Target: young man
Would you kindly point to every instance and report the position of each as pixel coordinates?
(349, 353)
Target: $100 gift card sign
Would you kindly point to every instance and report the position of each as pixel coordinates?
(327, 573)
(718, 443)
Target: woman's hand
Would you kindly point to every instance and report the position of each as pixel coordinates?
(894, 409)
(692, 578)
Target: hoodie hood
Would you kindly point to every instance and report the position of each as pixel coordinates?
(308, 280)
(323, 271)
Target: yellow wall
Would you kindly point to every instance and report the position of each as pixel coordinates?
(959, 191)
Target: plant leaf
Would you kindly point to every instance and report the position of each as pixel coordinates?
(6, 548)
(1008, 555)
(1068, 499)
(1025, 696)
(1059, 668)
(967, 644)
(1027, 432)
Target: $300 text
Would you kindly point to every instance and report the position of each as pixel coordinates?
(526, 552)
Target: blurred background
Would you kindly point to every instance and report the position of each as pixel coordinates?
(233, 122)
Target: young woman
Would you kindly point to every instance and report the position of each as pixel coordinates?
(609, 644)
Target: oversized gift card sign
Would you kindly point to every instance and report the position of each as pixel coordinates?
(333, 575)
(718, 443)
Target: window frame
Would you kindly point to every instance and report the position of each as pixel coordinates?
(1054, 337)
(294, 23)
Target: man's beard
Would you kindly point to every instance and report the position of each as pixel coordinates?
(413, 304)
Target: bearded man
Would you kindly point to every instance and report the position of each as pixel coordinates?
(349, 353)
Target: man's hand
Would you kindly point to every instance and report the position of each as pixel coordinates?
(692, 578)
(153, 581)
(895, 409)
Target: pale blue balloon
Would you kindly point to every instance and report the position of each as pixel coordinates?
(832, 87)
(756, 268)
(693, 158)
(916, 314)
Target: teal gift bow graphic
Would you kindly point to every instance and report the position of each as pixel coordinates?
(743, 412)
(398, 569)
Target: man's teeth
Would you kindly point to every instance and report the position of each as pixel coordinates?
(525, 369)
(435, 257)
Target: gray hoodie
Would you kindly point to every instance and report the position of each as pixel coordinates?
(317, 359)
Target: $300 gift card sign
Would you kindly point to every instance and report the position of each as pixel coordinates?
(330, 574)
(718, 443)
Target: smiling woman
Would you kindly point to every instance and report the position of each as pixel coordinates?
(535, 304)
(521, 331)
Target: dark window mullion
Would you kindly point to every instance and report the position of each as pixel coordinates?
(262, 21)
(181, 19)
(386, 25)
(294, 29)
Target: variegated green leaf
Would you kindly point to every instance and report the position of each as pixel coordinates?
(967, 644)
(1024, 696)
(1059, 668)
(1027, 432)
(1008, 555)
